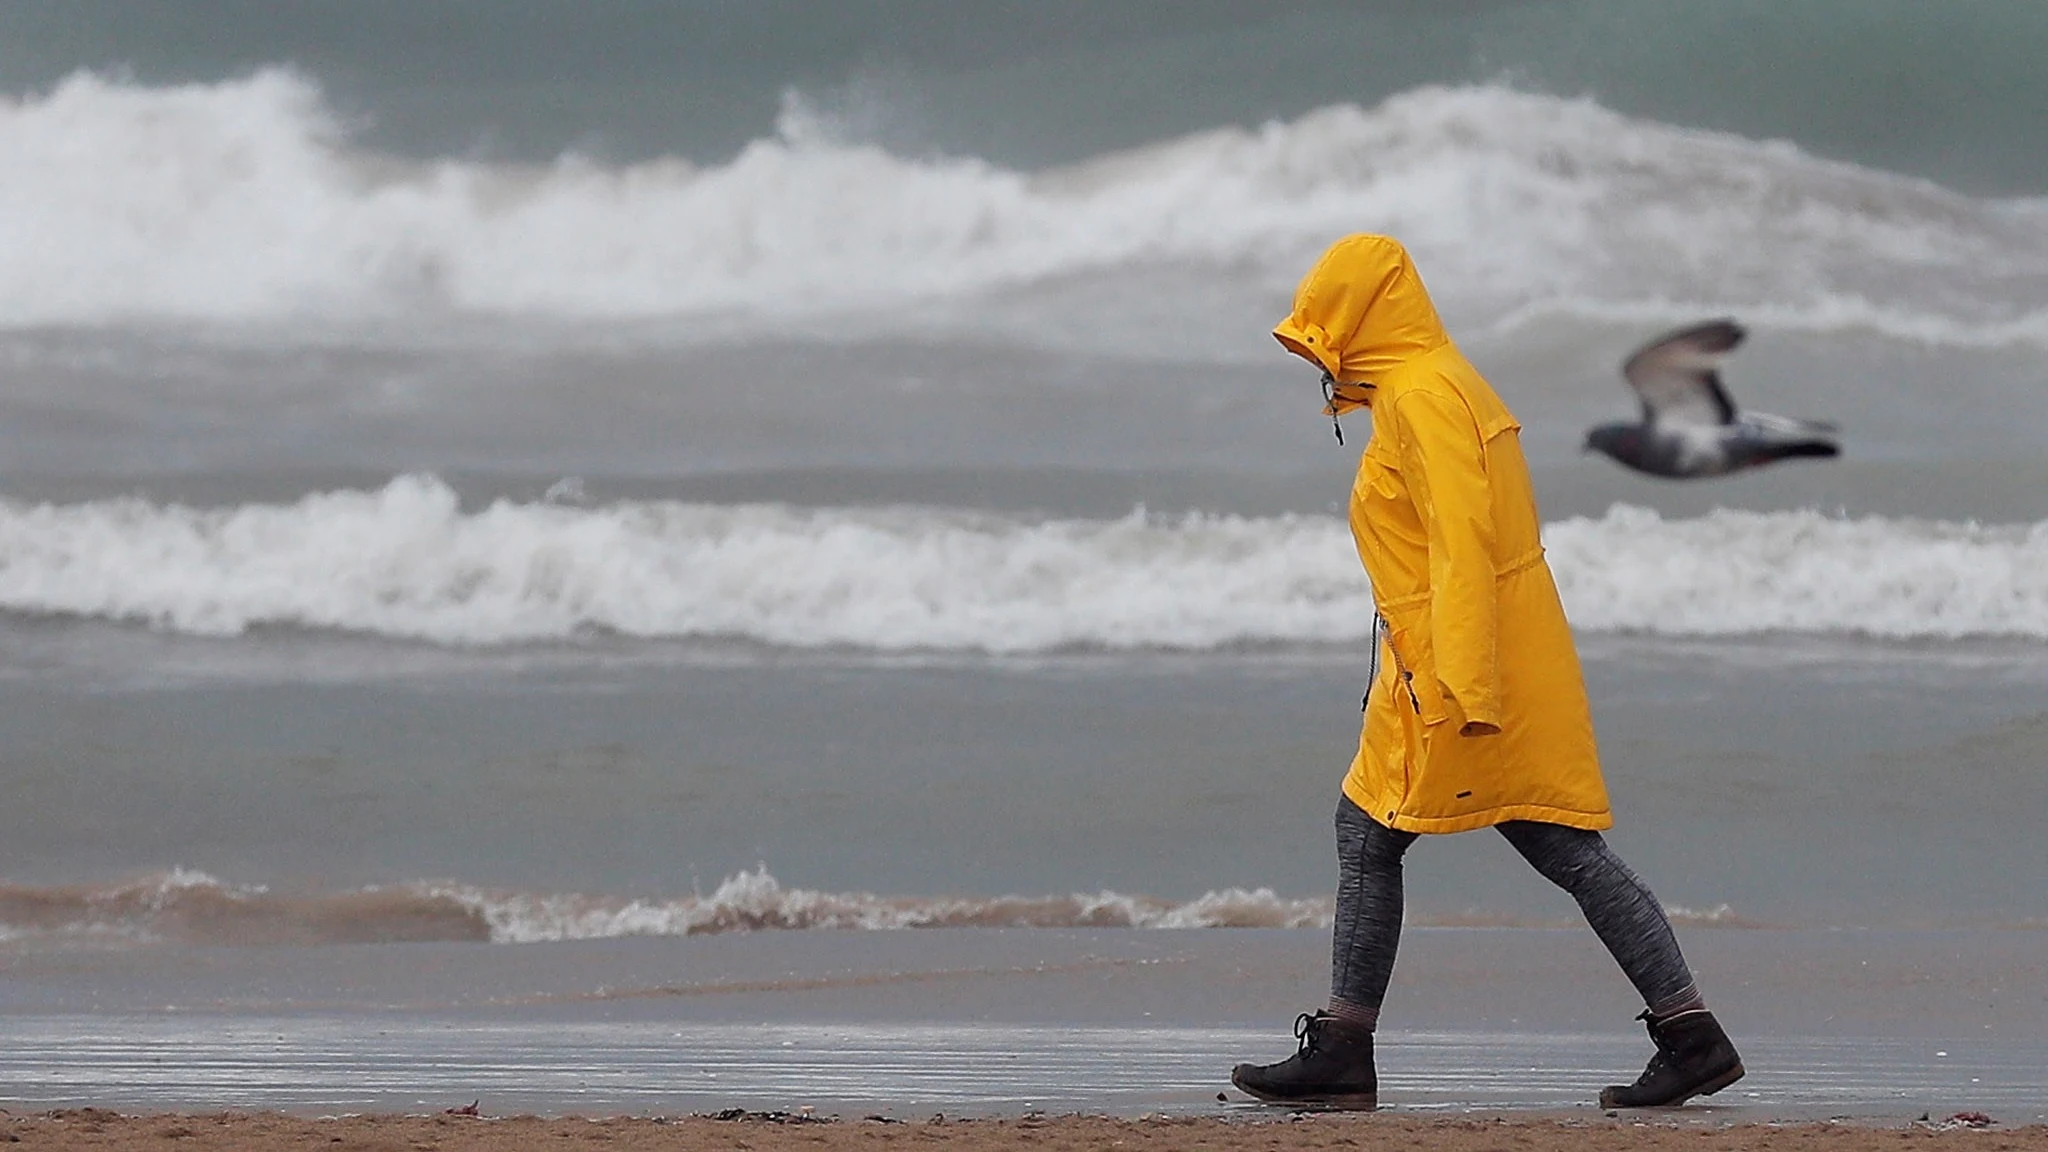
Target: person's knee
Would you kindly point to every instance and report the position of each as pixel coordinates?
(1380, 849)
(1567, 857)
(1367, 844)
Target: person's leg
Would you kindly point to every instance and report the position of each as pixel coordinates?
(1694, 1056)
(1335, 1062)
(1367, 932)
(1623, 911)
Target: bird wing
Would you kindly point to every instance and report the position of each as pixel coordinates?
(1768, 425)
(1677, 376)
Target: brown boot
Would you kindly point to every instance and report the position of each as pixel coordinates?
(1694, 1058)
(1334, 1068)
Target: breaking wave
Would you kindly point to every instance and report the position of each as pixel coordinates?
(409, 562)
(243, 201)
(182, 906)
(1735, 573)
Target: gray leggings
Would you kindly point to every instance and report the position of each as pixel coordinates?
(1621, 909)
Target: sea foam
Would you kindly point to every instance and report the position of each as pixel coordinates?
(243, 202)
(409, 562)
(182, 906)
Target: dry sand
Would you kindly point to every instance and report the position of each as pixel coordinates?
(771, 1132)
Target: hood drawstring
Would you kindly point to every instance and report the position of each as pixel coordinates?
(1330, 403)
(1382, 633)
(1372, 673)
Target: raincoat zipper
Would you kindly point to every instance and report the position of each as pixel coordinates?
(1381, 631)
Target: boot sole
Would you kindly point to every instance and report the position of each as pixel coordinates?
(1706, 1089)
(1331, 1103)
(1348, 1101)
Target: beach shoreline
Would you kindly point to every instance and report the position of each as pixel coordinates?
(1876, 1027)
(766, 1132)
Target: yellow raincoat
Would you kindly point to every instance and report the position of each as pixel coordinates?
(1479, 712)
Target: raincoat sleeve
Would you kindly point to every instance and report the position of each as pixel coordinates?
(1444, 464)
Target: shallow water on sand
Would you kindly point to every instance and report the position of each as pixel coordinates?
(981, 1021)
(330, 1065)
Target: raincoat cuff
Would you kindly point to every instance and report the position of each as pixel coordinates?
(1460, 715)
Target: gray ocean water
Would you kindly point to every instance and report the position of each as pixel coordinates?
(524, 477)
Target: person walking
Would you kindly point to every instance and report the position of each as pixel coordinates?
(1476, 716)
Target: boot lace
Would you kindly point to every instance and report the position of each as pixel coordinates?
(1309, 1030)
(1666, 1053)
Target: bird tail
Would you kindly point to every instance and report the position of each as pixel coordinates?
(1790, 448)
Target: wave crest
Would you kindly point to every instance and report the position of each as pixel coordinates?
(183, 906)
(1735, 573)
(241, 201)
(408, 562)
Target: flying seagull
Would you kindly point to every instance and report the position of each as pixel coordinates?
(1690, 427)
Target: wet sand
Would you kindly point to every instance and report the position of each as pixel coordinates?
(771, 1132)
(1876, 1027)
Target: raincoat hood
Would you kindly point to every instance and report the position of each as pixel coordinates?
(1361, 311)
